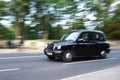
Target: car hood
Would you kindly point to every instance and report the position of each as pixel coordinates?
(63, 43)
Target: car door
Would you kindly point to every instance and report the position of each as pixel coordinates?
(96, 40)
(93, 43)
(83, 48)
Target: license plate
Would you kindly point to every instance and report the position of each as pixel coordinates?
(49, 53)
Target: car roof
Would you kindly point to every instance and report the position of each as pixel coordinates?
(82, 30)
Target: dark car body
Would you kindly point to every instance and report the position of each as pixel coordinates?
(79, 43)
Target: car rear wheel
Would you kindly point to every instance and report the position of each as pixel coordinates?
(103, 54)
(68, 56)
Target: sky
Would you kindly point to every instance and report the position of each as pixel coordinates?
(5, 0)
(114, 5)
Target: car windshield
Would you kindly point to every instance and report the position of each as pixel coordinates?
(70, 36)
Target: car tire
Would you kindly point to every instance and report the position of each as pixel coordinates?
(102, 54)
(68, 56)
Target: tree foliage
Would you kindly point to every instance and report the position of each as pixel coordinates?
(111, 24)
(29, 17)
(78, 24)
(6, 33)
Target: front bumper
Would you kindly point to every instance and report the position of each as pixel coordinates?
(108, 51)
(55, 54)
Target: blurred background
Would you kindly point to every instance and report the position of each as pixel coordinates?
(50, 19)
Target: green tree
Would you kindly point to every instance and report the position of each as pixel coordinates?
(30, 32)
(43, 13)
(6, 33)
(19, 9)
(56, 32)
(115, 28)
(110, 24)
(78, 24)
(3, 9)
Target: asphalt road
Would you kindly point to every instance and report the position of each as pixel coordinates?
(22, 66)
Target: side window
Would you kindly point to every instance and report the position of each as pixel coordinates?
(98, 37)
(84, 37)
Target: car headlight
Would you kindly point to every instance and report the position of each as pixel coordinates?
(59, 47)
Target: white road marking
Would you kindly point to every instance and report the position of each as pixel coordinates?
(8, 70)
(88, 61)
(106, 73)
(19, 57)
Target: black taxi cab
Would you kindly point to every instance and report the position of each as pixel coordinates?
(78, 43)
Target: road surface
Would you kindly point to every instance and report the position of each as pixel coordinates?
(24, 66)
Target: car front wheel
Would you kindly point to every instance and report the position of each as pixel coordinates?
(68, 56)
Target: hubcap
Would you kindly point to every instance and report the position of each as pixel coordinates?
(103, 53)
(68, 56)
